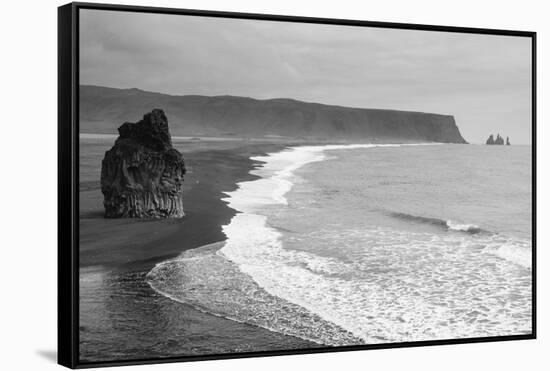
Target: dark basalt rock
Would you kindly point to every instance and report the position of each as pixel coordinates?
(142, 175)
(498, 141)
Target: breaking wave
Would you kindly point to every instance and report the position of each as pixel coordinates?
(370, 296)
(470, 228)
(512, 249)
(446, 224)
(209, 282)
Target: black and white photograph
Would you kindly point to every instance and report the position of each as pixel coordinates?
(275, 185)
(252, 185)
(255, 185)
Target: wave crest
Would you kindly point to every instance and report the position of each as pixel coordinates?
(445, 224)
(206, 280)
(470, 228)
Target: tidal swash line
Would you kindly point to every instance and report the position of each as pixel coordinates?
(252, 278)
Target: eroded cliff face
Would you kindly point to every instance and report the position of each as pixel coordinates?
(194, 115)
(142, 175)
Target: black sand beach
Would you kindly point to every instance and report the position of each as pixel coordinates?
(121, 317)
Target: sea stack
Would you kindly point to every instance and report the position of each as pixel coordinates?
(142, 175)
(498, 141)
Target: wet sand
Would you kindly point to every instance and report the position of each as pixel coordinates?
(121, 317)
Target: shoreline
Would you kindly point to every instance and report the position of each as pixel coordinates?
(252, 198)
(116, 288)
(210, 173)
(117, 254)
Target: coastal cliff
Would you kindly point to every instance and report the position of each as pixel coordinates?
(193, 115)
(142, 175)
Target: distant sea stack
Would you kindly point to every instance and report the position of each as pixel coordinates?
(142, 175)
(498, 141)
(195, 116)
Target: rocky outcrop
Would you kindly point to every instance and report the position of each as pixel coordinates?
(498, 141)
(507, 141)
(142, 175)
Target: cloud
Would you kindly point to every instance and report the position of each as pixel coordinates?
(484, 80)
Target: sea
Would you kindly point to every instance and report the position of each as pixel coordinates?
(371, 243)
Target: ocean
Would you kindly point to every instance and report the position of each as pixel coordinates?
(120, 316)
(365, 244)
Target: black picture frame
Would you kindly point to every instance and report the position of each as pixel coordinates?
(68, 180)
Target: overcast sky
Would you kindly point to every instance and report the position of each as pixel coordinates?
(484, 81)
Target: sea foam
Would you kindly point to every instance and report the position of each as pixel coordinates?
(275, 175)
(319, 284)
(393, 285)
(471, 228)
